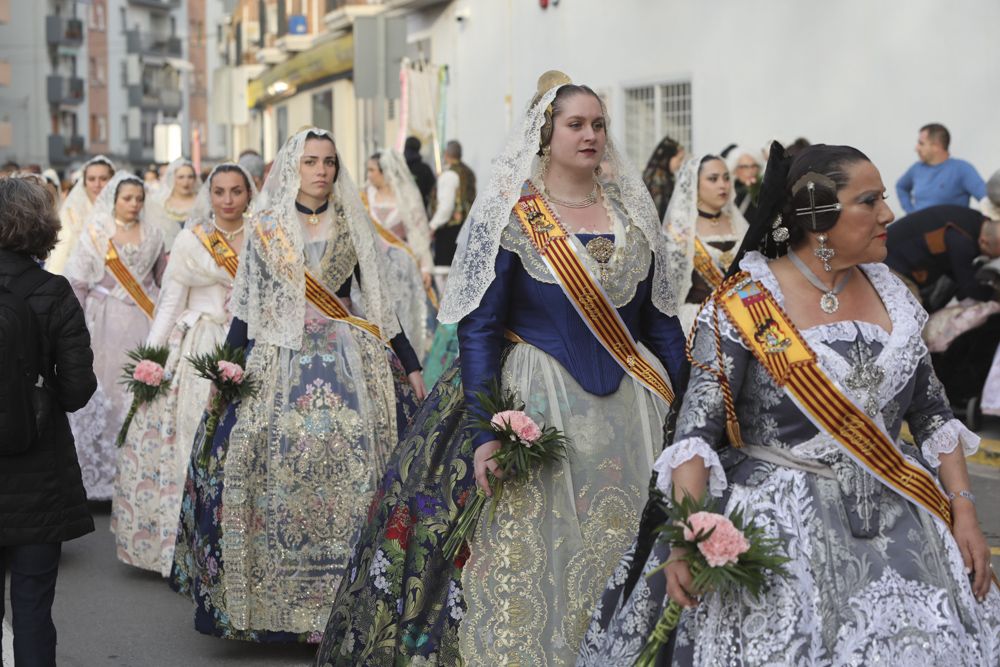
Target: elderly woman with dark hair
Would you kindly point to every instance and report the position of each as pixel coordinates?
(806, 362)
(42, 503)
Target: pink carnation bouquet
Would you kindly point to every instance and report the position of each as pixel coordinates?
(523, 445)
(145, 377)
(724, 553)
(224, 368)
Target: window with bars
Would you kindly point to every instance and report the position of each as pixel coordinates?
(653, 112)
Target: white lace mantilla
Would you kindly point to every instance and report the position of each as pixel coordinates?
(474, 267)
(683, 451)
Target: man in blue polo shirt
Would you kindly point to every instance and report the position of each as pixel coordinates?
(938, 178)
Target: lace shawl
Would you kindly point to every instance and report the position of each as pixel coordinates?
(86, 263)
(680, 225)
(269, 293)
(474, 267)
(410, 205)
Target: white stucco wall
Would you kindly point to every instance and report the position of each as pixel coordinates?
(858, 72)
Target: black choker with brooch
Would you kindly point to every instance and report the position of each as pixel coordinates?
(312, 216)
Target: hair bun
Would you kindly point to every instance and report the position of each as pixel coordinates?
(550, 80)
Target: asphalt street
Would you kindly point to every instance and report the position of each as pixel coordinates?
(109, 614)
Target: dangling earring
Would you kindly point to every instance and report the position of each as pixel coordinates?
(824, 252)
(543, 162)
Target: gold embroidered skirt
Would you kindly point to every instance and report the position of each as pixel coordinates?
(536, 572)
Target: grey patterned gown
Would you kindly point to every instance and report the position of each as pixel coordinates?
(873, 579)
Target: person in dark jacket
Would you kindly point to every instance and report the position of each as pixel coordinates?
(422, 173)
(42, 499)
(941, 241)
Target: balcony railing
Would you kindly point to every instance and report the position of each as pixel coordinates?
(64, 149)
(168, 100)
(153, 44)
(62, 31)
(165, 5)
(64, 90)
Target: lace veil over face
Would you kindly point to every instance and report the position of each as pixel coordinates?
(269, 291)
(77, 199)
(410, 204)
(473, 269)
(201, 212)
(86, 264)
(680, 224)
(170, 179)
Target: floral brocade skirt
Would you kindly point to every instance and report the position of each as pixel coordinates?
(305, 471)
(154, 458)
(522, 591)
(899, 598)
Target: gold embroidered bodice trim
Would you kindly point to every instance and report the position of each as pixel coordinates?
(626, 264)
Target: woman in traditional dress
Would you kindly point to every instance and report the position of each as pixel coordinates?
(174, 199)
(267, 526)
(704, 229)
(398, 211)
(115, 270)
(94, 175)
(660, 173)
(192, 318)
(521, 591)
(887, 565)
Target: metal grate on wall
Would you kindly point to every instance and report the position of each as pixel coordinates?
(653, 112)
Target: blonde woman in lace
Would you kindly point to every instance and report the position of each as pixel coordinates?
(174, 199)
(192, 317)
(521, 591)
(267, 526)
(116, 321)
(94, 175)
(701, 211)
(396, 206)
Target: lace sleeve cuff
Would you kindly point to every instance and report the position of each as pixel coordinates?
(683, 451)
(946, 438)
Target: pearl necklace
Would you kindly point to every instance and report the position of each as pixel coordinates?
(229, 236)
(126, 225)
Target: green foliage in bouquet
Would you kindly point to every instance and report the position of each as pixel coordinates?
(224, 368)
(145, 378)
(725, 554)
(523, 445)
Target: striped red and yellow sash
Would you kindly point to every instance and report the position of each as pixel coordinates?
(705, 265)
(220, 250)
(781, 350)
(553, 245)
(390, 237)
(124, 277)
(324, 300)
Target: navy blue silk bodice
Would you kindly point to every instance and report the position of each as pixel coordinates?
(541, 315)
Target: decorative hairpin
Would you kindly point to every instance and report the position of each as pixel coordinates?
(778, 231)
(812, 210)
